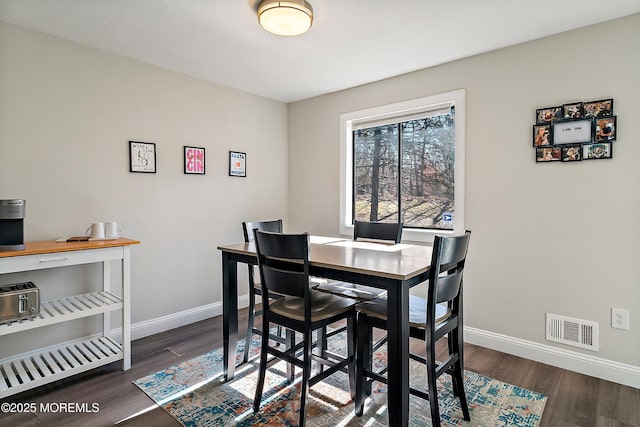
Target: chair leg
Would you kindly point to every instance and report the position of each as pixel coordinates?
(369, 359)
(321, 346)
(351, 353)
(363, 355)
(306, 373)
(452, 348)
(457, 343)
(291, 343)
(458, 379)
(263, 365)
(433, 403)
(247, 343)
(431, 386)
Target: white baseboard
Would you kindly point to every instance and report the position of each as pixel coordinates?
(582, 363)
(175, 320)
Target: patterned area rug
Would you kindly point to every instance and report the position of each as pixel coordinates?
(195, 394)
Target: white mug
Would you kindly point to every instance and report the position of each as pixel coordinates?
(96, 230)
(112, 230)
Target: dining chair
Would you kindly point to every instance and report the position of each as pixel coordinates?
(254, 284)
(283, 262)
(430, 319)
(380, 232)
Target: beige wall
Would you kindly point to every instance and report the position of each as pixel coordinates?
(558, 238)
(67, 113)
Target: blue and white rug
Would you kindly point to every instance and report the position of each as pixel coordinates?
(195, 394)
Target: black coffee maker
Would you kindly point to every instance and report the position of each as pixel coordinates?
(12, 224)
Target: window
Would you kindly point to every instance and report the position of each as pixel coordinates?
(405, 162)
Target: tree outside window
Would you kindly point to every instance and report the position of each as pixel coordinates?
(404, 171)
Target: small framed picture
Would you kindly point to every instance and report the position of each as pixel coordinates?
(572, 111)
(601, 108)
(542, 135)
(237, 164)
(194, 160)
(548, 114)
(606, 129)
(571, 153)
(572, 131)
(598, 150)
(548, 154)
(142, 157)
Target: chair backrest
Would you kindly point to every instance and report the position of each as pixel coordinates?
(391, 231)
(283, 260)
(447, 265)
(248, 227)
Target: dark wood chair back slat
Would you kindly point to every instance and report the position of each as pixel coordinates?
(447, 265)
(391, 231)
(248, 227)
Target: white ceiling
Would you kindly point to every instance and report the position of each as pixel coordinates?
(351, 42)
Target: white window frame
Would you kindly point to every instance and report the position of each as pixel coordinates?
(425, 104)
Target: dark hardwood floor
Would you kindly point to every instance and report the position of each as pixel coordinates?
(573, 399)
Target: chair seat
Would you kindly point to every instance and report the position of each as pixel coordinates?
(351, 290)
(323, 306)
(417, 311)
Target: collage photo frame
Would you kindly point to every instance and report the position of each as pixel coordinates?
(575, 131)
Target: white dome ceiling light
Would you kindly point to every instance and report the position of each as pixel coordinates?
(285, 18)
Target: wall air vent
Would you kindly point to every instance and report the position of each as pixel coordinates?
(575, 332)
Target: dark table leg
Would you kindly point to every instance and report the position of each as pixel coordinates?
(229, 314)
(398, 359)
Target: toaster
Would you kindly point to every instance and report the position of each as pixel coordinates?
(19, 301)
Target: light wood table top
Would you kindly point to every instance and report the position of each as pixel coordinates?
(51, 246)
(400, 261)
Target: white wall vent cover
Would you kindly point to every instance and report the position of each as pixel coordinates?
(575, 332)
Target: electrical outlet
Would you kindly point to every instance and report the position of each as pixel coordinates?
(619, 318)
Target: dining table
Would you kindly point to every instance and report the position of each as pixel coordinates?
(395, 268)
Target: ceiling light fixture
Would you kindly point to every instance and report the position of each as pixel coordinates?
(285, 18)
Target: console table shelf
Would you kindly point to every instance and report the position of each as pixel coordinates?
(47, 364)
(31, 370)
(68, 308)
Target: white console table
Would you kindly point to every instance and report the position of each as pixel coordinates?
(26, 371)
